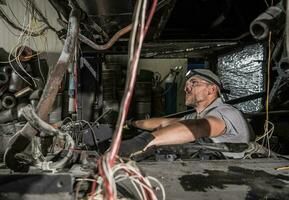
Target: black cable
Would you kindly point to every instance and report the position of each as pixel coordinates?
(92, 133)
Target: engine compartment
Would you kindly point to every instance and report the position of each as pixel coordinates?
(61, 126)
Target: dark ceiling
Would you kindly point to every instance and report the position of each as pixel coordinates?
(174, 19)
(212, 19)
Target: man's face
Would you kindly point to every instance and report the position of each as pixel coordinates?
(197, 90)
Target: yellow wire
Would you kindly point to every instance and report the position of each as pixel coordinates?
(266, 123)
(268, 78)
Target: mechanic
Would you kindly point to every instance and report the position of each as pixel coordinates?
(213, 121)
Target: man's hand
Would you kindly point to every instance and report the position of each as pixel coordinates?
(138, 143)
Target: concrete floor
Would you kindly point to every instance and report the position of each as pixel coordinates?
(222, 179)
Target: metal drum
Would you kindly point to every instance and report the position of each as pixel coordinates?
(143, 109)
(142, 100)
(143, 91)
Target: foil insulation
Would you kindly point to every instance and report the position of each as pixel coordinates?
(242, 73)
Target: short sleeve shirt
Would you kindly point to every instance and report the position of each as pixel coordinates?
(237, 129)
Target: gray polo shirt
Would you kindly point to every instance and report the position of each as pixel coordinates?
(237, 129)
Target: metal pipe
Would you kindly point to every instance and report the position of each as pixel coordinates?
(24, 137)
(25, 91)
(57, 73)
(115, 37)
(8, 101)
(56, 112)
(271, 20)
(48, 130)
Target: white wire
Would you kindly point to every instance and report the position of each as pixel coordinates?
(22, 40)
(86, 179)
(13, 49)
(267, 133)
(38, 61)
(124, 171)
(159, 184)
(123, 177)
(143, 15)
(265, 139)
(129, 171)
(108, 174)
(121, 171)
(133, 33)
(137, 178)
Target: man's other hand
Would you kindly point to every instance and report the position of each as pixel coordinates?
(138, 143)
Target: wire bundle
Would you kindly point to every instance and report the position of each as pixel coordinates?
(108, 170)
(268, 131)
(130, 173)
(268, 126)
(127, 176)
(29, 28)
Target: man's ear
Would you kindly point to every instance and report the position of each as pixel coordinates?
(213, 89)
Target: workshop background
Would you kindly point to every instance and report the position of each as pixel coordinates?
(59, 128)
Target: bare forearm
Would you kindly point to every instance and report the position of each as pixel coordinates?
(178, 132)
(188, 131)
(174, 134)
(153, 123)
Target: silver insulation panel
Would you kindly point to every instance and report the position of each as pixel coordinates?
(242, 73)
